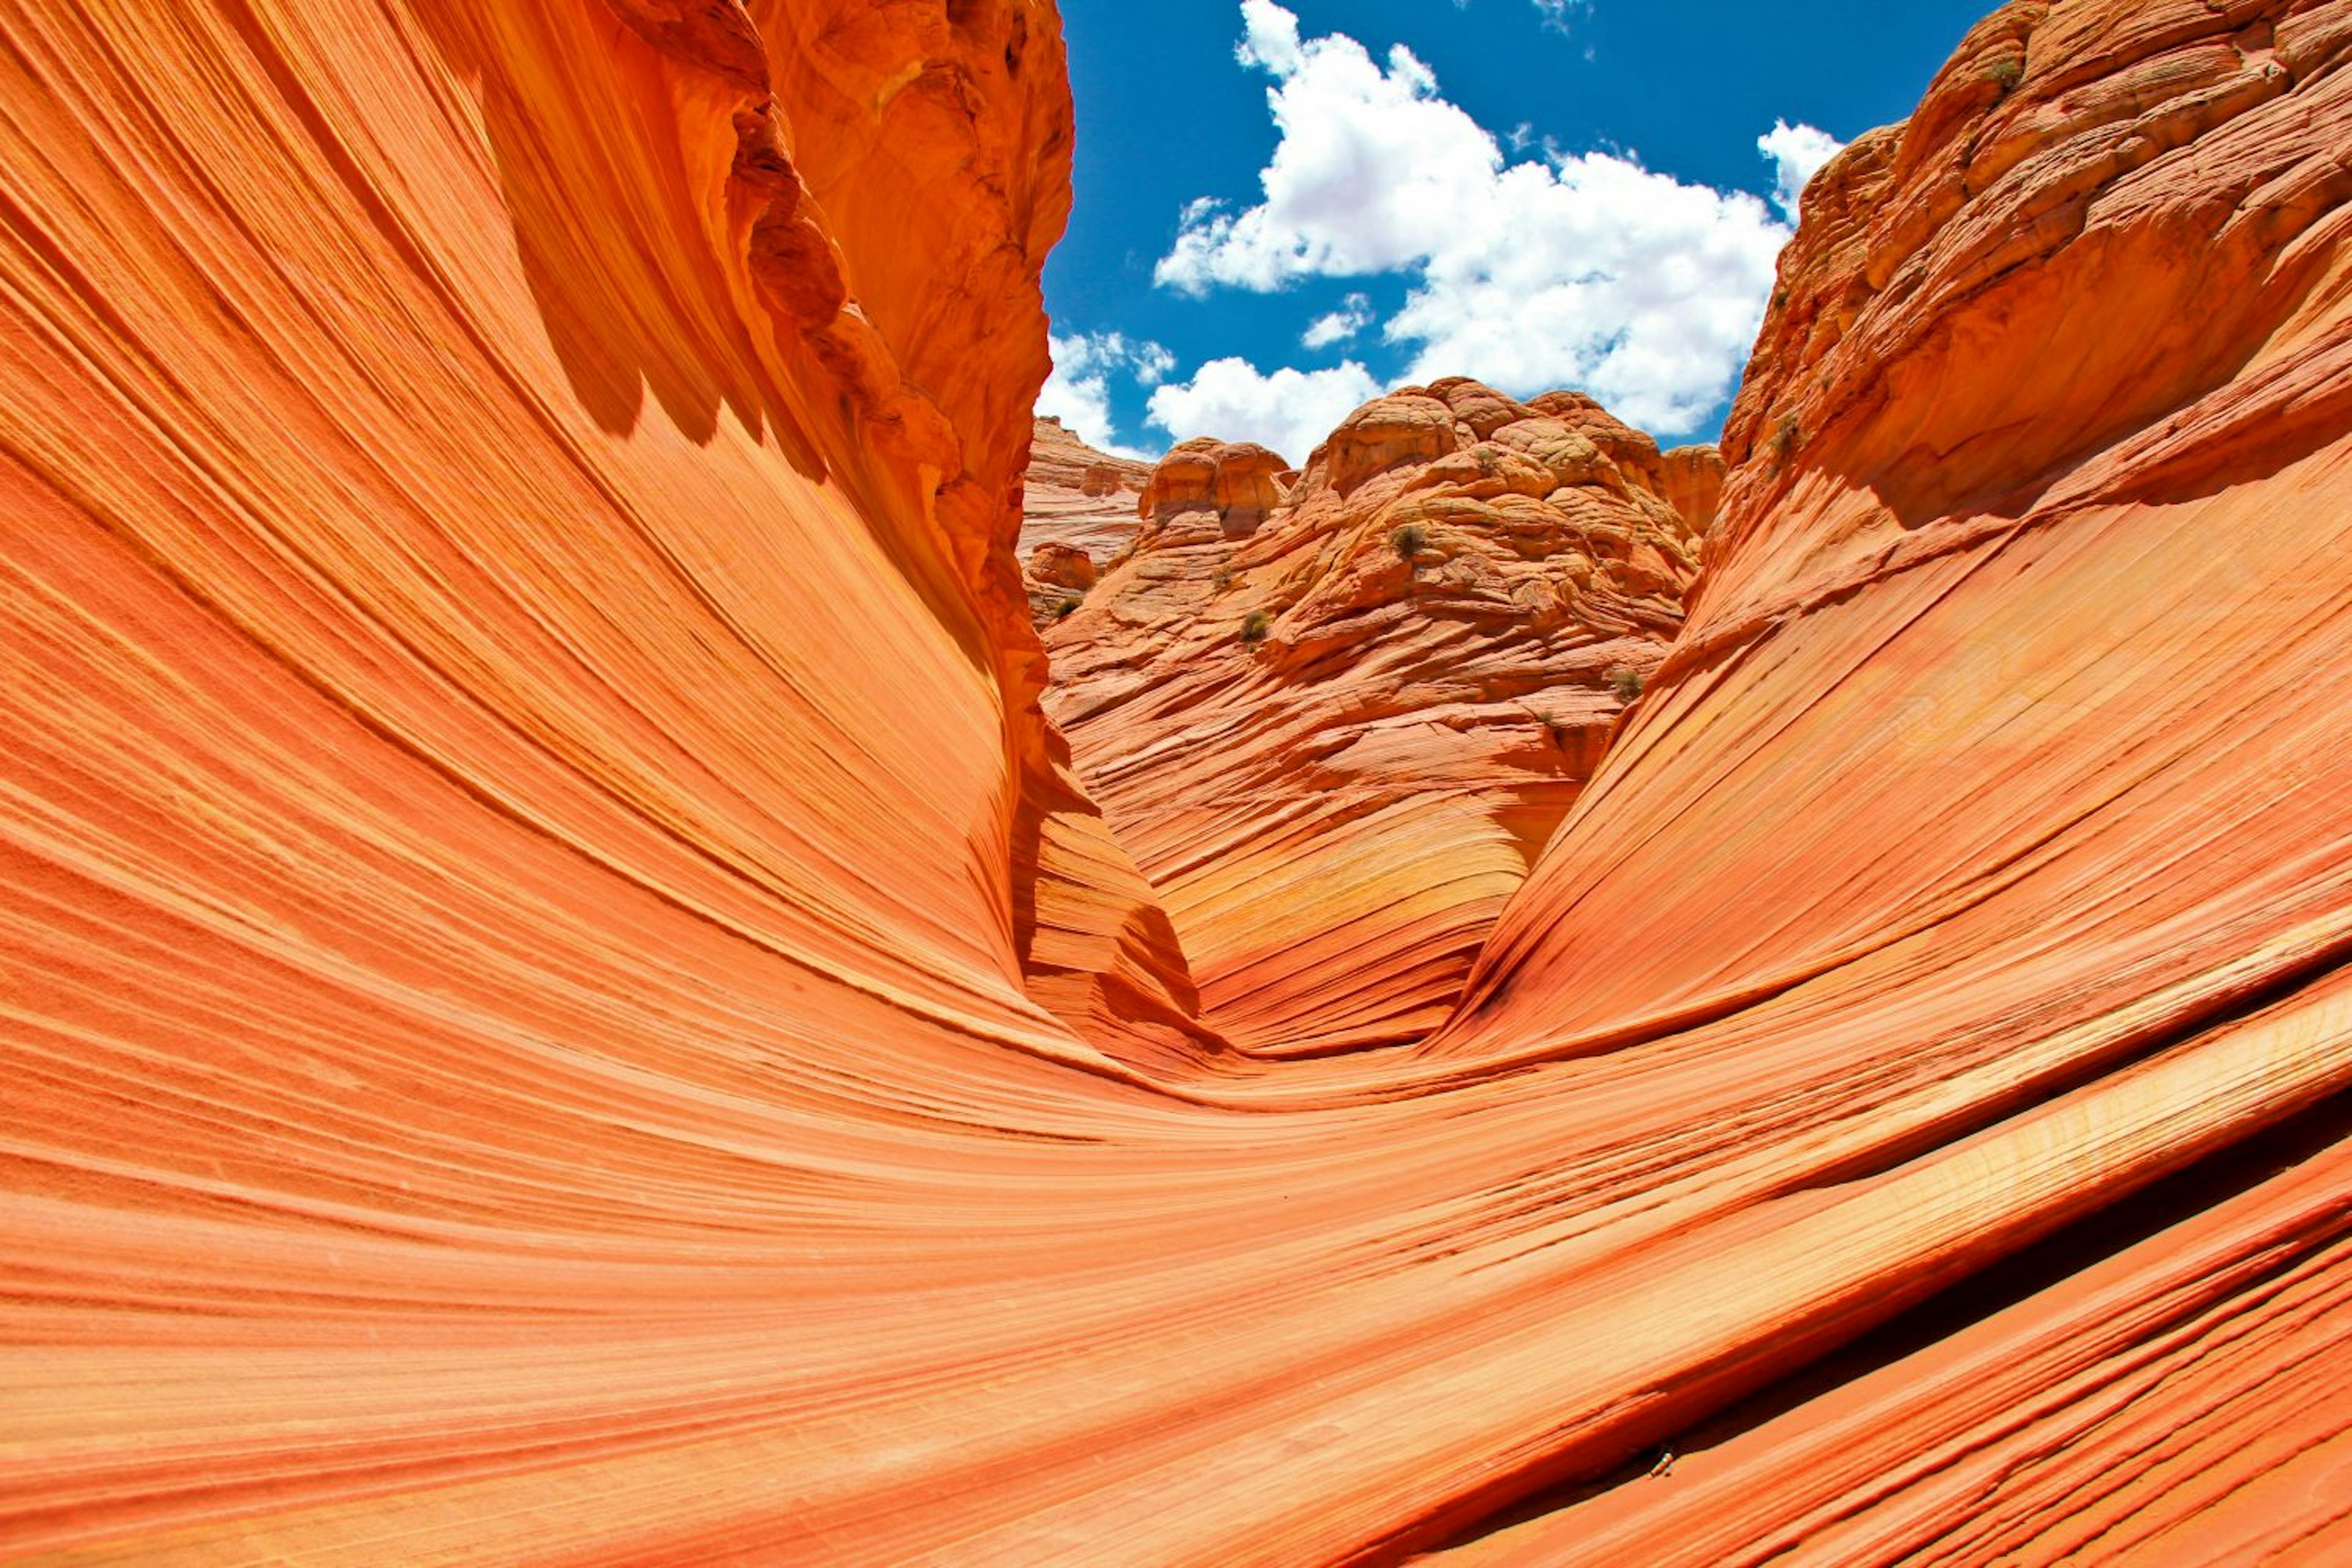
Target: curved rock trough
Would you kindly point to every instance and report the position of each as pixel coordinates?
(571, 993)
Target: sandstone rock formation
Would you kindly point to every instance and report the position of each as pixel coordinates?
(2004, 753)
(1335, 714)
(562, 1001)
(1077, 495)
(1078, 505)
(1057, 577)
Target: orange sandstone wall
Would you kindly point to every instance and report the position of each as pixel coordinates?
(521, 343)
(1335, 813)
(2003, 760)
(559, 1004)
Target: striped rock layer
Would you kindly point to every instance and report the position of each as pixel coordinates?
(562, 1001)
(1077, 511)
(1336, 713)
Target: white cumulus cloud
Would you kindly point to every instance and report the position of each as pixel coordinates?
(1796, 152)
(1586, 271)
(1556, 13)
(1288, 410)
(1078, 391)
(1366, 174)
(1354, 314)
(1269, 37)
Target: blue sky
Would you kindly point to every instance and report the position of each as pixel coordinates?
(1285, 206)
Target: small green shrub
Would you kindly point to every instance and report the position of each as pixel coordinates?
(1254, 625)
(2005, 75)
(1063, 610)
(1780, 299)
(1625, 681)
(1409, 541)
(1786, 436)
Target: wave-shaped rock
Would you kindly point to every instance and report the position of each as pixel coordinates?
(1998, 760)
(565, 1003)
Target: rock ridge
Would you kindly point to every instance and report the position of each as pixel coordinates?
(1411, 654)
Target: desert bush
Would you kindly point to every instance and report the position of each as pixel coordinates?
(1409, 541)
(1254, 625)
(1625, 681)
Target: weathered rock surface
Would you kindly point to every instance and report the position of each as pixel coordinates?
(2004, 761)
(1065, 472)
(1336, 713)
(1078, 504)
(561, 1001)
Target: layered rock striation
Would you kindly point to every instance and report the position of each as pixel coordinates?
(1077, 512)
(1336, 712)
(2001, 756)
(562, 1001)
(1077, 495)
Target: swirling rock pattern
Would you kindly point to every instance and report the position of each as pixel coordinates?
(1079, 509)
(1079, 496)
(1335, 714)
(564, 1002)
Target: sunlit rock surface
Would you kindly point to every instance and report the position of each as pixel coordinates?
(1079, 496)
(1077, 512)
(1336, 713)
(563, 1003)
(2003, 761)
